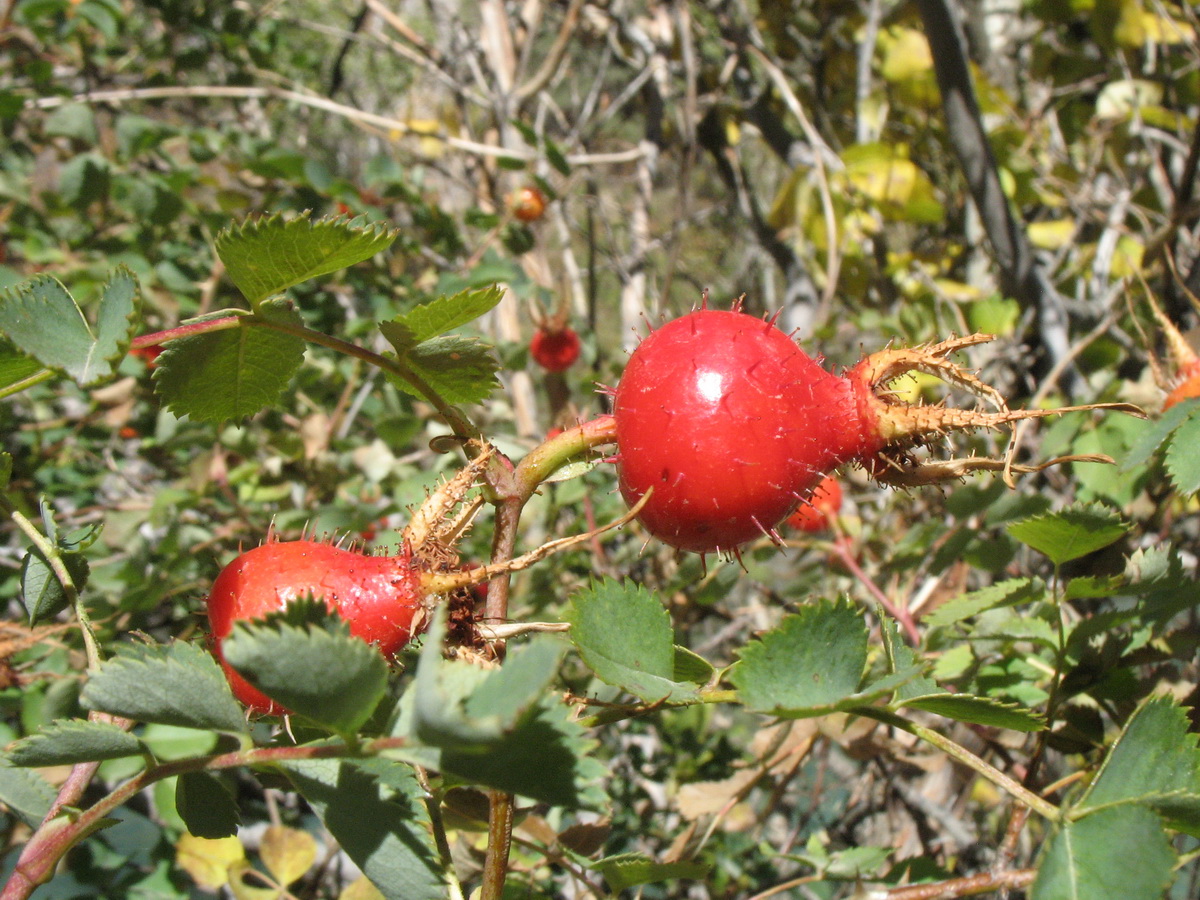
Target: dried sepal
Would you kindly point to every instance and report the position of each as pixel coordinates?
(437, 523)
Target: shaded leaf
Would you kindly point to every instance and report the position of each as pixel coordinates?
(1070, 533)
(230, 374)
(26, 794)
(264, 257)
(624, 636)
(813, 659)
(175, 684)
(900, 657)
(15, 366)
(378, 818)
(206, 805)
(69, 741)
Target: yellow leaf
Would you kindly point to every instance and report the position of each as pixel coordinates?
(1052, 234)
(208, 860)
(1165, 30)
(1119, 99)
(886, 176)
(784, 210)
(1127, 260)
(287, 853)
(247, 883)
(906, 54)
(360, 889)
(956, 291)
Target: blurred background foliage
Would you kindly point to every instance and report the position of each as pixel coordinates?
(796, 152)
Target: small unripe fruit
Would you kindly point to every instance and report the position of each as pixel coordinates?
(527, 204)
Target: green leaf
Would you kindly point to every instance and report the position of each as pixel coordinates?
(6, 465)
(1090, 859)
(1071, 533)
(691, 667)
(902, 657)
(230, 374)
(460, 369)
(813, 659)
(317, 671)
(429, 320)
(1004, 593)
(978, 711)
(69, 741)
(624, 635)
(546, 757)
(175, 684)
(27, 794)
(377, 815)
(631, 869)
(1155, 432)
(1155, 755)
(206, 805)
(15, 366)
(264, 257)
(42, 319)
(41, 592)
(1182, 460)
(462, 706)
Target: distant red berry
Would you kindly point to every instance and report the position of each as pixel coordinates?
(528, 203)
(555, 351)
(820, 509)
(128, 433)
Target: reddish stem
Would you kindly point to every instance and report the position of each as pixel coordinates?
(842, 549)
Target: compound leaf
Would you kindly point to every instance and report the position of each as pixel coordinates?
(1155, 432)
(230, 374)
(69, 741)
(174, 684)
(1004, 593)
(809, 662)
(624, 636)
(264, 257)
(1070, 533)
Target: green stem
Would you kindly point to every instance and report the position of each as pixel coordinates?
(1022, 794)
(543, 461)
(29, 381)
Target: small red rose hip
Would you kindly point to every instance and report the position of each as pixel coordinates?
(378, 596)
(555, 349)
(528, 203)
(818, 512)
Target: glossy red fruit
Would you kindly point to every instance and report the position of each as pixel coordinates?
(378, 596)
(527, 204)
(555, 350)
(816, 513)
(731, 423)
